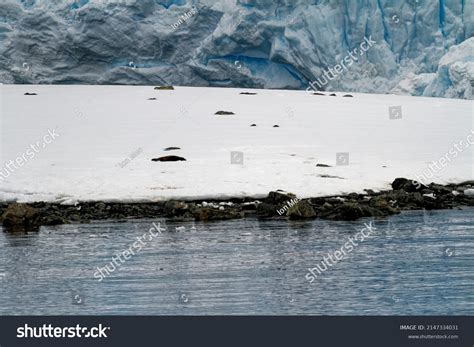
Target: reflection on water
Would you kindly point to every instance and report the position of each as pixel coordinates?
(416, 263)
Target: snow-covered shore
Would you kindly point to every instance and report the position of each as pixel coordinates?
(100, 127)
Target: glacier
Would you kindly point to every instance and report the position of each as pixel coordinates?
(422, 48)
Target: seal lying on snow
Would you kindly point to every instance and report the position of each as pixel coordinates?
(169, 158)
(171, 148)
(164, 88)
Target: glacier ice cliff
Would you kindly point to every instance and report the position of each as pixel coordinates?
(455, 75)
(423, 47)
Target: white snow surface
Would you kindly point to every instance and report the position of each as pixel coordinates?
(100, 126)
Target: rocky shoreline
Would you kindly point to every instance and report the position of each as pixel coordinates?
(404, 195)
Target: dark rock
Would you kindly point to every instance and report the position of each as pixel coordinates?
(164, 88)
(319, 94)
(249, 207)
(169, 158)
(21, 217)
(253, 125)
(352, 196)
(53, 219)
(381, 204)
(279, 197)
(406, 200)
(151, 98)
(410, 186)
(26, 217)
(437, 189)
(210, 214)
(301, 210)
(317, 201)
(464, 200)
(171, 148)
(274, 202)
(467, 183)
(355, 210)
(100, 206)
(247, 93)
(327, 206)
(267, 210)
(332, 94)
(30, 94)
(347, 96)
(349, 211)
(276, 126)
(3, 208)
(75, 217)
(224, 113)
(174, 208)
(334, 201)
(322, 165)
(460, 188)
(427, 191)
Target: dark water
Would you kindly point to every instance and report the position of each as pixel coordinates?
(415, 263)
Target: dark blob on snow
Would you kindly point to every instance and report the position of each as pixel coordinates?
(169, 158)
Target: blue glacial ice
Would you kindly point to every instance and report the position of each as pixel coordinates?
(423, 47)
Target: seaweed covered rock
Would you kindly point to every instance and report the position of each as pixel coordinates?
(383, 206)
(279, 197)
(175, 208)
(301, 210)
(267, 210)
(21, 217)
(407, 185)
(210, 214)
(349, 211)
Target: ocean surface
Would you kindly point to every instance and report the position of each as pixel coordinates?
(415, 263)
